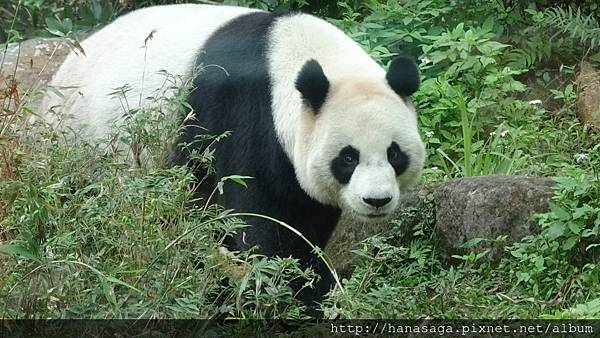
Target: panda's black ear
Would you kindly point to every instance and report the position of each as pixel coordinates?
(403, 76)
(312, 84)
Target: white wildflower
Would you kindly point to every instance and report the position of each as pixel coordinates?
(532, 102)
(493, 133)
(581, 157)
(503, 133)
(429, 133)
(425, 60)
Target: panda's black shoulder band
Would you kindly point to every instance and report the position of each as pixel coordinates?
(403, 76)
(312, 84)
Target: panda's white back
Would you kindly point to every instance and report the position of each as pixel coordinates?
(115, 57)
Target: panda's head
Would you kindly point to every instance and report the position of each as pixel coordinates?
(358, 145)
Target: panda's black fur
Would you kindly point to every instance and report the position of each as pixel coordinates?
(235, 96)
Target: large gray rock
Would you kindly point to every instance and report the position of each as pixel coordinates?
(487, 207)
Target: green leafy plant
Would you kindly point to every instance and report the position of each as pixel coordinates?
(588, 310)
(583, 28)
(392, 27)
(566, 95)
(569, 233)
(471, 84)
(63, 18)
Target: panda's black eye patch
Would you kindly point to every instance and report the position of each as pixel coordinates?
(397, 158)
(344, 164)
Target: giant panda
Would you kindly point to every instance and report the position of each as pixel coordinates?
(319, 125)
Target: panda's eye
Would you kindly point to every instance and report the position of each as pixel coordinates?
(397, 158)
(344, 164)
(393, 154)
(349, 159)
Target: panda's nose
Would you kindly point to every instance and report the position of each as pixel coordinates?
(377, 202)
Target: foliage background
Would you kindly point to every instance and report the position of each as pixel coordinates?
(83, 235)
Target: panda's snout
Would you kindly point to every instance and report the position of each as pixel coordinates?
(377, 202)
(373, 191)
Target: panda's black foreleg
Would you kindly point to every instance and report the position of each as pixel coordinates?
(313, 297)
(271, 241)
(313, 220)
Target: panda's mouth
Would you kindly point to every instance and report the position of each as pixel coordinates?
(376, 215)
